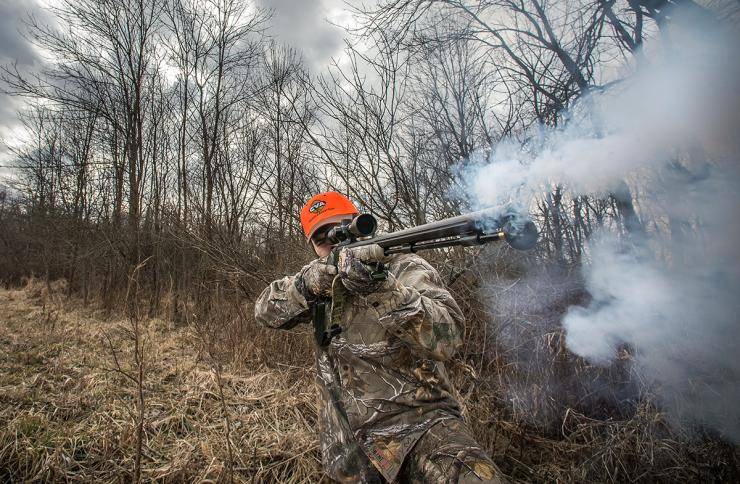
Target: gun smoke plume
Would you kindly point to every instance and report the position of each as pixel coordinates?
(667, 289)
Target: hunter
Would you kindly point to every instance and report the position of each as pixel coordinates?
(387, 411)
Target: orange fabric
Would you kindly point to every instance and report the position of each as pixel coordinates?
(324, 208)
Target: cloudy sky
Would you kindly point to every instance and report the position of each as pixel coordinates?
(305, 24)
(13, 48)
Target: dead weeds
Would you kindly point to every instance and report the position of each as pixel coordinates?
(66, 415)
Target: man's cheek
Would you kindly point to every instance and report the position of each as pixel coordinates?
(322, 250)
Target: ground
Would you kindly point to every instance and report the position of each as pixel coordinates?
(66, 413)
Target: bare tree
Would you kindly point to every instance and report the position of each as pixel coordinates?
(216, 46)
(283, 105)
(102, 58)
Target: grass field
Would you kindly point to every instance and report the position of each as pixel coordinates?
(66, 413)
(69, 412)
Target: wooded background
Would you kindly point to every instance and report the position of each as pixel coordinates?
(178, 137)
(178, 130)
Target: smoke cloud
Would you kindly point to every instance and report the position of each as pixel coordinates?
(670, 291)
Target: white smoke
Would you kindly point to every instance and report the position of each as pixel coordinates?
(672, 292)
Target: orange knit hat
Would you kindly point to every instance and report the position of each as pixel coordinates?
(324, 208)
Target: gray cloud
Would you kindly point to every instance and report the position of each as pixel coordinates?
(14, 48)
(670, 299)
(304, 25)
(9, 107)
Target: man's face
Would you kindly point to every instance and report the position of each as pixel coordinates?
(321, 244)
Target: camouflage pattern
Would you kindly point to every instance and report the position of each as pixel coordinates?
(356, 268)
(316, 279)
(382, 382)
(447, 453)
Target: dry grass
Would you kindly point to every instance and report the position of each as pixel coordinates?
(65, 414)
(547, 415)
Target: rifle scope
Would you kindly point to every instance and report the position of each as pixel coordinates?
(348, 231)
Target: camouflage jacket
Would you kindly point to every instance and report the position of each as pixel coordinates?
(382, 383)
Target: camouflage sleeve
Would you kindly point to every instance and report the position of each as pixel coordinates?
(281, 305)
(419, 310)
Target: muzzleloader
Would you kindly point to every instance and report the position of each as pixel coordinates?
(476, 228)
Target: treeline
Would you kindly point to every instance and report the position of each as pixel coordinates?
(179, 132)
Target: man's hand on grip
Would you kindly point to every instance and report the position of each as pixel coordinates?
(361, 269)
(315, 280)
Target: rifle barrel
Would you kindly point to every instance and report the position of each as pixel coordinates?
(468, 229)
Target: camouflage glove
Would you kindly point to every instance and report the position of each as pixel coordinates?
(361, 269)
(315, 280)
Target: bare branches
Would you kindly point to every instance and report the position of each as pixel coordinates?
(135, 335)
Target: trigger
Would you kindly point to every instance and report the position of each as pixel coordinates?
(379, 273)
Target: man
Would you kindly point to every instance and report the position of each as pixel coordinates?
(387, 411)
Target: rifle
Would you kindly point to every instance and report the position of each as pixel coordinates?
(473, 229)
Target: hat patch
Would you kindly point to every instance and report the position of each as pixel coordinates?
(317, 206)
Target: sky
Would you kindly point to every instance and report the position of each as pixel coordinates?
(307, 25)
(14, 48)
(304, 24)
